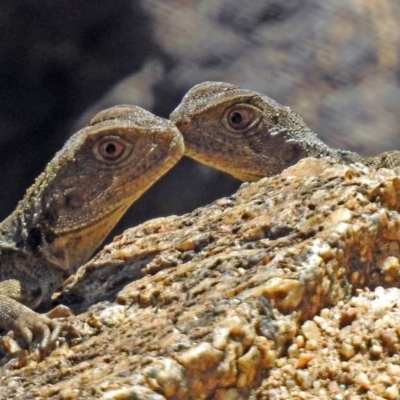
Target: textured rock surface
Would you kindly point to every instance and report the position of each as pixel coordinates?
(250, 297)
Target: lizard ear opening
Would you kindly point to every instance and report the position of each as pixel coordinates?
(240, 118)
(111, 149)
(292, 152)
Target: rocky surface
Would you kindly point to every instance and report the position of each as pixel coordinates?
(286, 289)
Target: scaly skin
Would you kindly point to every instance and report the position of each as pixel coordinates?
(249, 135)
(72, 206)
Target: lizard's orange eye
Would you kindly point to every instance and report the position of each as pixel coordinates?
(111, 149)
(239, 118)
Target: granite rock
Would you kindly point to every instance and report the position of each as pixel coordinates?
(279, 288)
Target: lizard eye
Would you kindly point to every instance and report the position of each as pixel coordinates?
(111, 149)
(239, 118)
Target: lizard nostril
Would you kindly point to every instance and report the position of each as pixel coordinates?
(183, 122)
(180, 121)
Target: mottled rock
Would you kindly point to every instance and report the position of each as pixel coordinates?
(253, 296)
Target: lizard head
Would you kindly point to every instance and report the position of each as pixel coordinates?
(238, 131)
(91, 182)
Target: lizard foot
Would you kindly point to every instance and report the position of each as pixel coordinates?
(33, 330)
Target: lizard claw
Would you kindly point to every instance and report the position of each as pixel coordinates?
(37, 326)
(33, 329)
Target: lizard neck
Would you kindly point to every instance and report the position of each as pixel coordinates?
(311, 145)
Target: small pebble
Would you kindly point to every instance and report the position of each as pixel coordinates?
(392, 393)
(376, 350)
(304, 379)
(325, 313)
(304, 359)
(347, 351)
(311, 345)
(363, 381)
(333, 387)
(310, 330)
(293, 351)
(300, 341)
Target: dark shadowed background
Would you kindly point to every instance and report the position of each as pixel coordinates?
(335, 63)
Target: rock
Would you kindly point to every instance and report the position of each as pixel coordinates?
(205, 305)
